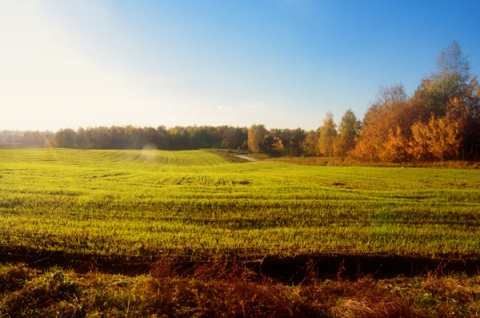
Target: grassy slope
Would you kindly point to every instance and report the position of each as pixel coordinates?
(144, 203)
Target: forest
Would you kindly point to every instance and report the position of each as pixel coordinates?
(440, 121)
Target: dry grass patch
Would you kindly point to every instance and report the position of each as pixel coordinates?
(222, 289)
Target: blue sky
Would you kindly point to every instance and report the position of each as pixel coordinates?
(281, 63)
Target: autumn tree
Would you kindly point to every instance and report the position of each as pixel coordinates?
(396, 147)
(256, 137)
(328, 135)
(439, 122)
(37, 138)
(380, 123)
(452, 96)
(436, 140)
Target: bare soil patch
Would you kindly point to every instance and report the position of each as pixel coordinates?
(286, 269)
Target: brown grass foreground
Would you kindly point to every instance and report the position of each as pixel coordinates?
(220, 289)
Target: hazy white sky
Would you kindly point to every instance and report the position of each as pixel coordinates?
(282, 63)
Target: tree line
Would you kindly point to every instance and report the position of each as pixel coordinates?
(20, 139)
(257, 139)
(440, 121)
(273, 142)
(130, 137)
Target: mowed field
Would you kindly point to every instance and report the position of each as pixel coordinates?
(127, 203)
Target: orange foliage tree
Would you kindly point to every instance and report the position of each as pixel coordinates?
(441, 121)
(438, 139)
(380, 119)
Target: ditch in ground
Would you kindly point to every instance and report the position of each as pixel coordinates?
(285, 269)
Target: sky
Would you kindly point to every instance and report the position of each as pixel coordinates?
(281, 63)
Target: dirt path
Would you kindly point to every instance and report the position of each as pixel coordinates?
(247, 158)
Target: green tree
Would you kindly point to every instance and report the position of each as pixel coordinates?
(471, 140)
(65, 138)
(292, 141)
(450, 81)
(309, 145)
(117, 137)
(179, 138)
(163, 139)
(234, 138)
(348, 131)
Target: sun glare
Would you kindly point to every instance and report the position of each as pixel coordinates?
(45, 84)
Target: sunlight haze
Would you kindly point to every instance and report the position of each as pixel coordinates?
(282, 63)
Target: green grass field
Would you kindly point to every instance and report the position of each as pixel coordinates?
(113, 210)
(147, 203)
